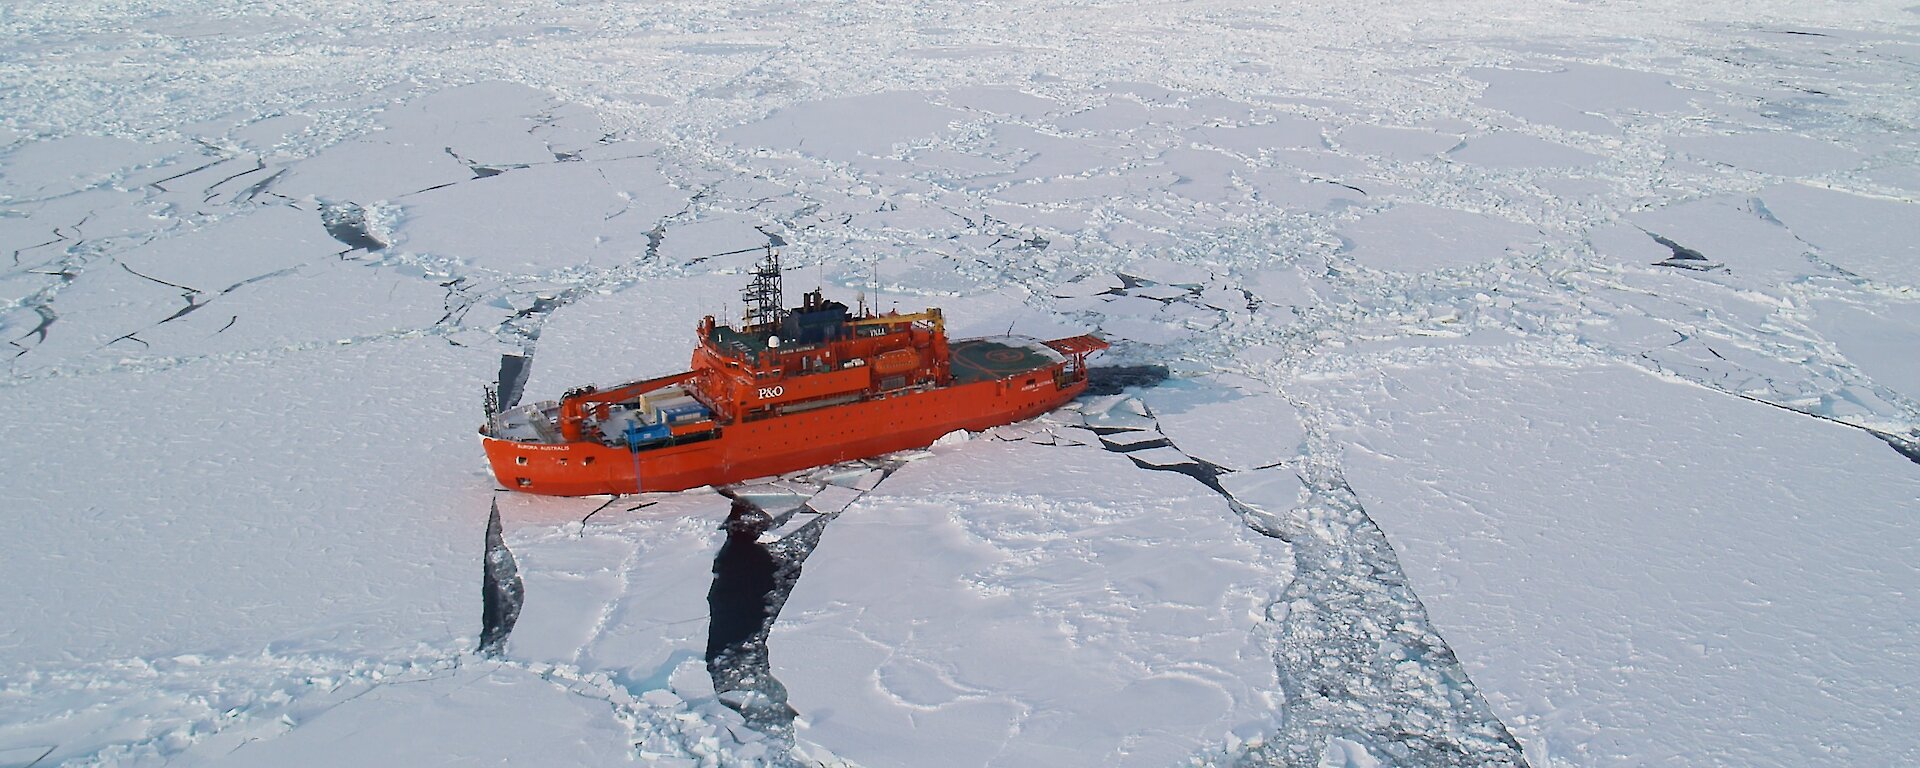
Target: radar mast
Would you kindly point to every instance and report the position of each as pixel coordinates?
(765, 303)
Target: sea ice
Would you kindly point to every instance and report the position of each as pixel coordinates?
(1639, 571)
(1414, 238)
(1074, 611)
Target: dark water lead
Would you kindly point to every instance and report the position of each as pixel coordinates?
(1114, 379)
(751, 582)
(513, 378)
(501, 592)
(347, 223)
(1907, 447)
(1683, 257)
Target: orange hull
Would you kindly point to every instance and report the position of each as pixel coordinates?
(776, 445)
(786, 390)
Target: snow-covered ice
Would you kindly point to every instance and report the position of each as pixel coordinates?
(1491, 382)
(1621, 561)
(1060, 615)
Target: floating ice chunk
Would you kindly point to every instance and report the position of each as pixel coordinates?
(1291, 190)
(1117, 404)
(773, 496)
(1002, 100)
(1284, 132)
(1397, 143)
(1575, 187)
(1580, 97)
(1019, 431)
(504, 712)
(1128, 306)
(1233, 429)
(1780, 154)
(859, 479)
(1201, 175)
(1088, 285)
(444, 137)
(787, 525)
(1742, 574)
(953, 438)
(1131, 437)
(1051, 156)
(1076, 435)
(1878, 238)
(1117, 114)
(833, 499)
(399, 573)
(53, 167)
(1881, 340)
(1729, 231)
(1274, 491)
(1417, 238)
(1187, 315)
(723, 240)
(1626, 243)
(1232, 300)
(1160, 292)
(848, 129)
(1113, 609)
(690, 680)
(1286, 286)
(1160, 457)
(1118, 411)
(216, 257)
(623, 595)
(583, 220)
(1143, 331)
(1517, 150)
(1169, 272)
(576, 581)
(1347, 753)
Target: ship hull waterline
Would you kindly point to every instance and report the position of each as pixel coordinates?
(777, 445)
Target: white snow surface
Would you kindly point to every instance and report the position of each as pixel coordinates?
(1675, 562)
(1535, 376)
(1077, 612)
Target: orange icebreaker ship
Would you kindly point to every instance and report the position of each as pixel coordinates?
(790, 389)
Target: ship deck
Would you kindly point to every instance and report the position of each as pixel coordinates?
(974, 360)
(749, 343)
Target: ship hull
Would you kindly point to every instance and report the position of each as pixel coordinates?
(776, 445)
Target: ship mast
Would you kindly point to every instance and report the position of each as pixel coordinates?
(765, 304)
